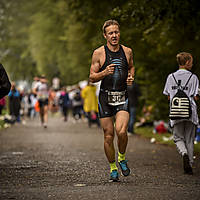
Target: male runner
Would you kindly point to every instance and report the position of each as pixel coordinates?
(113, 64)
(41, 89)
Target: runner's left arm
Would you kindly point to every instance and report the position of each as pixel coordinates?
(131, 70)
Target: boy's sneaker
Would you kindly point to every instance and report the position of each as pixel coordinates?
(186, 165)
(124, 167)
(114, 176)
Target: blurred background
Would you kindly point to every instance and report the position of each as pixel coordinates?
(57, 38)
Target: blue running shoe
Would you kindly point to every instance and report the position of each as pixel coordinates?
(124, 167)
(114, 176)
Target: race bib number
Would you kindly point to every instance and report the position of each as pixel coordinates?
(116, 98)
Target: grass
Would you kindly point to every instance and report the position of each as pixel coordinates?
(162, 138)
(2, 123)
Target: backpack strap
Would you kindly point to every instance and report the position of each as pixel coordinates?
(186, 82)
(175, 79)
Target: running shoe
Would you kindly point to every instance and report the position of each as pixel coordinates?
(124, 167)
(186, 165)
(44, 125)
(114, 176)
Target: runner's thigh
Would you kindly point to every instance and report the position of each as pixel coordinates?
(122, 118)
(107, 125)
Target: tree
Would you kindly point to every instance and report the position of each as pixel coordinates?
(158, 30)
(57, 38)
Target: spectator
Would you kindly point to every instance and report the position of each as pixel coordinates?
(32, 99)
(147, 116)
(77, 104)
(90, 103)
(14, 103)
(2, 104)
(184, 128)
(133, 94)
(4, 82)
(64, 103)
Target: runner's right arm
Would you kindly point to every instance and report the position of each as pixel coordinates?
(95, 75)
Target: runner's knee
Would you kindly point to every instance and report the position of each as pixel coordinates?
(121, 132)
(108, 129)
(108, 139)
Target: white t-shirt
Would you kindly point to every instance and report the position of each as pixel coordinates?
(42, 91)
(191, 90)
(35, 84)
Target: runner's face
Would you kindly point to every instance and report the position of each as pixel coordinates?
(43, 80)
(112, 35)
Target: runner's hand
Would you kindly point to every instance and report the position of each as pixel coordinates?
(130, 79)
(110, 69)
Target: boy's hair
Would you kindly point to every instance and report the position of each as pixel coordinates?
(183, 57)
(109, 23)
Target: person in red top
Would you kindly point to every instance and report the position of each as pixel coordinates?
(2, 104)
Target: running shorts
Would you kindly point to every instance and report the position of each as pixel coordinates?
(106, 110)
(43, 102)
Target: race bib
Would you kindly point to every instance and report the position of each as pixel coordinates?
(116, 98)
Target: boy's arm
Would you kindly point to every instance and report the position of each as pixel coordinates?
(196, 98)
(166, 88)
(197, 91)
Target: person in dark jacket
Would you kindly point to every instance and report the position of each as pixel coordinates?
(133, 94)
(5, 84)
(14, 103)
(64, 103)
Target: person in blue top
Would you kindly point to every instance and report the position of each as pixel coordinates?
(14, 103)
(184, 130)
(113, 65)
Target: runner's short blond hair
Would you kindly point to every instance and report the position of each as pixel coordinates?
(109, 23)
(183, 57)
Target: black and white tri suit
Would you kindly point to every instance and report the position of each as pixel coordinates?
(113, 95)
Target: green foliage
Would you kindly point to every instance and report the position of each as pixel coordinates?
(158, 30)
(14, 54)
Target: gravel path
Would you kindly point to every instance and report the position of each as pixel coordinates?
(67, 161)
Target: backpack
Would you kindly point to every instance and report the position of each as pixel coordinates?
(180, 107)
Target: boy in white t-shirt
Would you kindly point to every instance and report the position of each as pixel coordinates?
(184, 129)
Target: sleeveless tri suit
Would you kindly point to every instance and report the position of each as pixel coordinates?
(113, 95)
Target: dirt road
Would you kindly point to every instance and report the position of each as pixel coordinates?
(66, 161)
